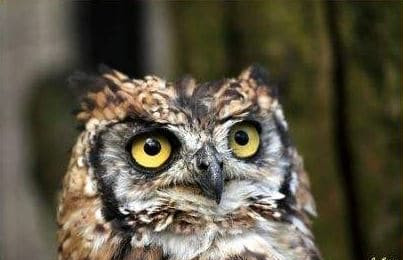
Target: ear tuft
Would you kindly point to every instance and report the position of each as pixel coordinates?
(185, 86)
(104, 69)
(261, 76)
(95, 92)
(81, 83)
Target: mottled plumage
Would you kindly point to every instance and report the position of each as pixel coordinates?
(257, 208)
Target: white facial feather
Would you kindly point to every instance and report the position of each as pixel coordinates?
(181, 247)
(261, 179)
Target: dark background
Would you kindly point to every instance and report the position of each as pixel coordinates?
(337, 64)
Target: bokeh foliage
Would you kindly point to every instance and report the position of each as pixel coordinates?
(292, 40)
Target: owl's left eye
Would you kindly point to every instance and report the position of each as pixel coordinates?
(244, 139)
(151, 150)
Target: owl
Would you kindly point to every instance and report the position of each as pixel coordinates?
(184, 171)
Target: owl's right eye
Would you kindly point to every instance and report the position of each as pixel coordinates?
(151, 150)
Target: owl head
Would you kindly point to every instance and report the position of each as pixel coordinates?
(177, 156)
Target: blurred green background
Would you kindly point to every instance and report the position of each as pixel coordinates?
(337, 64)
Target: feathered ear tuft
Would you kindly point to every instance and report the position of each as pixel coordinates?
(96, 92)
(81, 83)
(104, 69)
(261, 76)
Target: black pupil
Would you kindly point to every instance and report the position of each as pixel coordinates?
(241, 137)
(152, 146)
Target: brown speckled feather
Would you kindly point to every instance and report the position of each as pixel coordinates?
(110, 209)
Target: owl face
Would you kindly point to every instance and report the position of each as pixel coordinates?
(185, 151)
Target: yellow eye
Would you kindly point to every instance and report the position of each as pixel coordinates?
(244, 140)
(151, 150)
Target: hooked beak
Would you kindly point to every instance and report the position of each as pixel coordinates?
(210, 178)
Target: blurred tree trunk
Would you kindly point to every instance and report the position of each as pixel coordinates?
(370, 36)
(342, 141)
(34, 38)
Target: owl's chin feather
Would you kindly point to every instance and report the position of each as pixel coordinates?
(238, 197)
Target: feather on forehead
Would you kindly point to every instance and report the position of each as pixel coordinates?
(114, 96)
